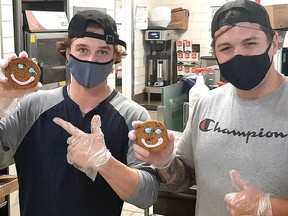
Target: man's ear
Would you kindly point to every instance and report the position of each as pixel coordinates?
(275, 43)
(67, 54)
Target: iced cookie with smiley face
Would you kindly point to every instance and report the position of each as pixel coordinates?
(22, 73)
(152, 135)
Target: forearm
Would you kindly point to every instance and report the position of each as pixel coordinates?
(122, 179)
(136, 186)
(177, 177)
(279, 206)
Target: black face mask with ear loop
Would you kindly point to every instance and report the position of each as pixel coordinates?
(246, 72)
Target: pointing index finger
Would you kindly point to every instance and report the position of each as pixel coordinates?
(71, 129)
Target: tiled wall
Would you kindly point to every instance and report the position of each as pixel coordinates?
(7, 34)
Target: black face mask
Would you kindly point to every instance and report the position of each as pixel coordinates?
(246, 72)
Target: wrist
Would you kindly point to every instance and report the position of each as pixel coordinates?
(264, 206)
(102, 157)
(167, 163)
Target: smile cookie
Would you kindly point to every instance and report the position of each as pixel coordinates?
(22, 73)
(152, 135)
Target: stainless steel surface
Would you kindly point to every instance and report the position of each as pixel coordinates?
(42, 46)
(206, 61)
(160, 35)
(152, 90)
(162, 69)
(19, 6)
(161, 64)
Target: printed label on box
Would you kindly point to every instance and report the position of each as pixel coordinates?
(180, 70)
(179, 56)
(187, 56)
(179, 46)
(187, 46)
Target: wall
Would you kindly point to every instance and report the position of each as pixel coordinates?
(7, 34)
(198, 31)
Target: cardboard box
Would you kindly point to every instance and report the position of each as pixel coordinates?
(180, 56)
(179, 46)
(187, 46)
(278, 15)
(179, 18)
(8, 184)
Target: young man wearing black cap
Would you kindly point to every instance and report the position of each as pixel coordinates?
(238, 129)
(97, 170)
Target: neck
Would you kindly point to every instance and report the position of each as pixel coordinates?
(88, 99)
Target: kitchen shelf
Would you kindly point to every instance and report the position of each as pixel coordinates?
(8, 184)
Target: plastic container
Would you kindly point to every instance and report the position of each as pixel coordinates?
(162, 22)
(160, 12)
(197, 90)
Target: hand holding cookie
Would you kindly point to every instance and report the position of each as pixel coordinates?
(154, 144)
(21, 76)
(152, 135)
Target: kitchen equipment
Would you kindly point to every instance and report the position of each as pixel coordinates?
(38, 25)
(161, 68)
(212, 75)
(43, 29)
(42, 46)
(206, 61)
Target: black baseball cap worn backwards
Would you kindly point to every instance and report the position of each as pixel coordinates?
(253, 12)
(78, 25)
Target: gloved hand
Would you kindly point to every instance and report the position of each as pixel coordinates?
(86, 152)
(8, 95)
(160, 160)
(249, 200)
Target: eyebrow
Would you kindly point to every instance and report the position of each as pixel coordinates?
(106, 47)
(222, 44)
(250, 39)
(244, 41)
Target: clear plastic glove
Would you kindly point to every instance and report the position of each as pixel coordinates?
(160, 160)
(249, 200)
(86, 152)
(9, 95)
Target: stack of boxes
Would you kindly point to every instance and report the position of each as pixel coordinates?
(188, 56)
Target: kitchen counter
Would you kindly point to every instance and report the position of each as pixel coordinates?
(175, 204)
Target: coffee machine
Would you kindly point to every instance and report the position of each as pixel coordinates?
(161, 65)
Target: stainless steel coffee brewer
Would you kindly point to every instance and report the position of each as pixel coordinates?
(161, 65)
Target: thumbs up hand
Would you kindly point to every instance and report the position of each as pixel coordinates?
(249, 200)
(86, 152)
